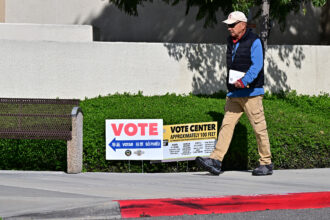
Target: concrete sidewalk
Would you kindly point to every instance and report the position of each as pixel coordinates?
(57, 195)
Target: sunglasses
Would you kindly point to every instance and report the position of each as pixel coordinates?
(232, 25)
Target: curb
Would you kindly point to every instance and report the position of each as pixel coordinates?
(186, 206)
(222, 205)
(107, 210)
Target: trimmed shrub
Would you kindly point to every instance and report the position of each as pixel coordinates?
(298, 128)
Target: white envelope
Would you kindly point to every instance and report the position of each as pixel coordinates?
(234, 75)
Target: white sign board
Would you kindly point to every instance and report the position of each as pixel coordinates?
(134, 139)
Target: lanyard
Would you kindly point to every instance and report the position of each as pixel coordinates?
(233, 51)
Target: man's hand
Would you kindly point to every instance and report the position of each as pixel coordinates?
(239, 84)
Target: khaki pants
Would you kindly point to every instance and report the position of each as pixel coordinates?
(234, 109)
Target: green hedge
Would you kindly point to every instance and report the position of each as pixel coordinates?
(298, 127)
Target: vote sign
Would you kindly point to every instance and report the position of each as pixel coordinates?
(134, 139)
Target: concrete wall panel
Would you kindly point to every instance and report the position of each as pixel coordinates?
(78, 70)
(302, 68)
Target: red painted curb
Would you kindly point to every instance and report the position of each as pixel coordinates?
(226, 204)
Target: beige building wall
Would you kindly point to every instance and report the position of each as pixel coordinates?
(157, 22)
(325, 18)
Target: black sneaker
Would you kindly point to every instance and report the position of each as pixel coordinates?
(263, 170)
(211, 165)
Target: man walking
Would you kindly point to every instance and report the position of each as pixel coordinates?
(245, 59)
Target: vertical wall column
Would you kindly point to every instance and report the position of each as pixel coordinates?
(2, 11)
(75, 145)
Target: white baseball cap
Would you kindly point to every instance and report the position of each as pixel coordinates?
(234, 17)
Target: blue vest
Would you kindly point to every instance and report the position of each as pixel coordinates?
(242, 60)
